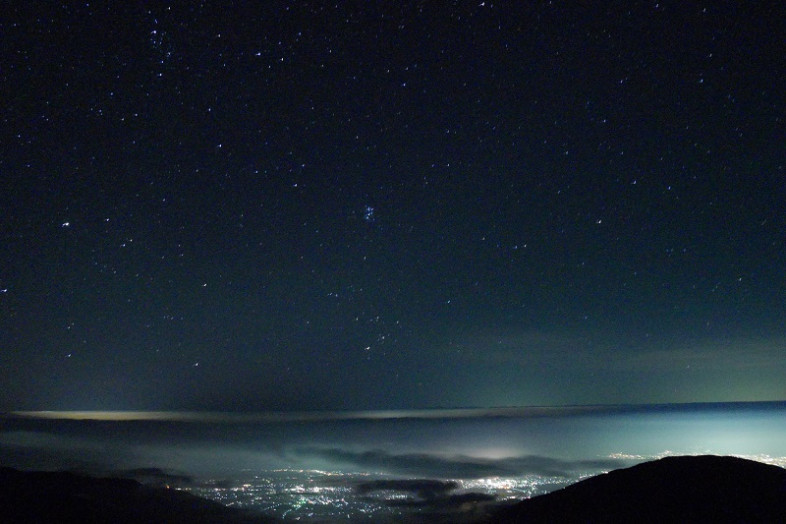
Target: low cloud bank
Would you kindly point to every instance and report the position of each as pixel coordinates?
(460, 466)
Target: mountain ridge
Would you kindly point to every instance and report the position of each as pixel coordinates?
(703, 488)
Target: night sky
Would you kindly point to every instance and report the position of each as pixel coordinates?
(300, 205)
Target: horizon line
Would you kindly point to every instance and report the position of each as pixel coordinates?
(213, 416)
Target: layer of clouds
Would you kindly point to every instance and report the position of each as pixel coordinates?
(458, 466)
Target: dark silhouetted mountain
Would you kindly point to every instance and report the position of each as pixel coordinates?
(67, 497)
(673, 489)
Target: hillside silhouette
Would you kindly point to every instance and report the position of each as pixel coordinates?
(673, 489)
(69, 497)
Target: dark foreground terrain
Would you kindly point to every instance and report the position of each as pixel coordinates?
(67, 497)
(673, 489)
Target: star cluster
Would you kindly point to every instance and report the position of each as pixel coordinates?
(298, 205)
